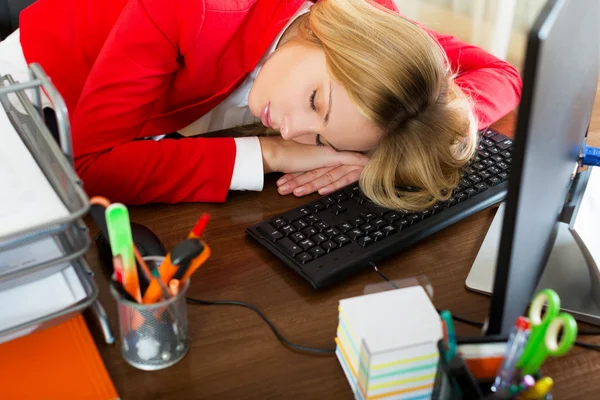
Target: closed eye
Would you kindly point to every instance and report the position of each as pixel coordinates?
(318, 140)
(312, 100)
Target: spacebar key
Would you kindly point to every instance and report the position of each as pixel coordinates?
(289, 247)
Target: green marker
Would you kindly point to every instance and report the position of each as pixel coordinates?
(121, 245)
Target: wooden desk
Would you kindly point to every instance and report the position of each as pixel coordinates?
(234, 355)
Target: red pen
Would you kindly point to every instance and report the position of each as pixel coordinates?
(199, 227)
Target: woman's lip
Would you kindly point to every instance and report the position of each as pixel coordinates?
(265, 115)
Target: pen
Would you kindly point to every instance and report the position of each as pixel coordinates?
(199, 227)
(516, 343)
(174, 286)
(541, 388)
(447, 318)
(121, 244)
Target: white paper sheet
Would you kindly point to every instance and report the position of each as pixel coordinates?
(27, 302)
(28, 255)
(26, 197)
(587, 222)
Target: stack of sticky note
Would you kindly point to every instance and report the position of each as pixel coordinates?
(387, 344)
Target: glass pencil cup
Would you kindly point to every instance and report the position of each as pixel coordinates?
(153, 336)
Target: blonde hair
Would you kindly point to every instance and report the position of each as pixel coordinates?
(398, 77)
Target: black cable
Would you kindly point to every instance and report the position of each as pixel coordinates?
(588, 346)
(282, 339)
(454, 317)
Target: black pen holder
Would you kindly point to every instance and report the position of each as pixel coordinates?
(445, 389)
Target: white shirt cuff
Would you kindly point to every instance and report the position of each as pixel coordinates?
(248, 172)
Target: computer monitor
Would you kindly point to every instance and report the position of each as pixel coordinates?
(560, 78)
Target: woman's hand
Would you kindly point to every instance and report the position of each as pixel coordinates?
(324, 180)
(328, 170)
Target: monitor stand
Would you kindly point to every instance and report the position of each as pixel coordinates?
(566, 272)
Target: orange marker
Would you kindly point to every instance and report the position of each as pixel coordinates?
(174, 286)
(185, 258)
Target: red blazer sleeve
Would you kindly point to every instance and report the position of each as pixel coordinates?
(493, 84)
(132, 71)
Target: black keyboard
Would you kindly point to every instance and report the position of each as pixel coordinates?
(337, 235)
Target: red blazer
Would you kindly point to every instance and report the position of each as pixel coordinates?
(129, 69)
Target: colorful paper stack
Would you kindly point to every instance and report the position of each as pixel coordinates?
(387, 344)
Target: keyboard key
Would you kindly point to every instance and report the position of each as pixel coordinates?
(293, 215)
(321, 226)
(365, 241)
(493, 150)
(337, 209)
(497, 158)
(309, 231)
(289, 247)
(508, 160)
(498, 138)
(468, 170)
(329, 246)
(389, 230)
(487, 142)
(494, 181)
(300, 224)
(357, 221)
(311, 219)
(476, 159)
(352, 191)
(483, 153)
(506, 154)
(319, 238)
(426, 214)
(331, 232)
(493, 171)
(451, 201)
(269, 231)
(297, 237)
(328, 201)
(368, 216)
(489, 162)
(505, 144)
(367, 228)
(355, 233)
(460, 197)
(503, 166)
(287, 230)
(378, 235)
(306, 244)
(465, 183)
(475, 179)
(479, 166)
(484, 174)
(359, 199)
(503, 176)
(340, 197)
(489, 133)
(305, 211)
(317, 252)
(403, 223)
(392, 216)
(436, 208)
(413, 218)
(481, 147)
(379, 222)
(317, 207)
(345, 227)
(481, 187)
(279, 223)
(304, 258)
(342, 240)
(375, 208)
(470, 192)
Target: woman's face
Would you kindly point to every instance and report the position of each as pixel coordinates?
(295, 94)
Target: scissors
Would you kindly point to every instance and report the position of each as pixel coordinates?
(543, 338)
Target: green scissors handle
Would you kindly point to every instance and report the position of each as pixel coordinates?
(543, 339)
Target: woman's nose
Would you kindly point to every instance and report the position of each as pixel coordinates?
(294, 127)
